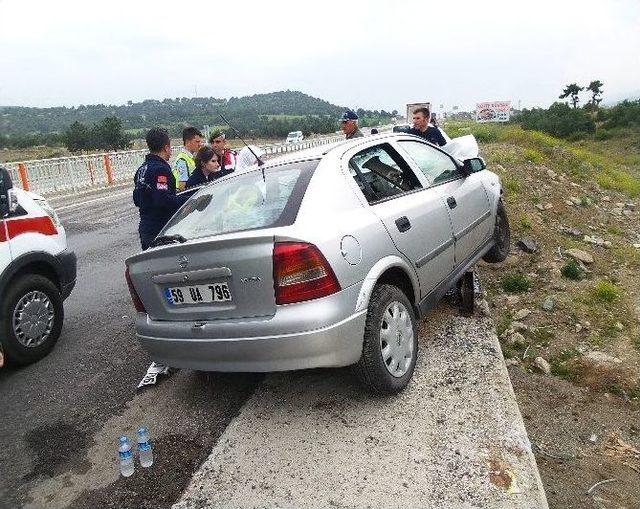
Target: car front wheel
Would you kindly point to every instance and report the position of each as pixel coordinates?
(31, 316)
(390, 346)
(501, 236)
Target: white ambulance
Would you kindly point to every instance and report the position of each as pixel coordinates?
(37, 272)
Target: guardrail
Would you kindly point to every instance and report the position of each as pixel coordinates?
(78, 173)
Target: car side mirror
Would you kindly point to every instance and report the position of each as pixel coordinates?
(8, 197)
(13, 200)
(473, 165)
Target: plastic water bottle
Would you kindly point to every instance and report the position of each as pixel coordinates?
(144, 448)
(126, 457)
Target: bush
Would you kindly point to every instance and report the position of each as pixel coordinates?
(559, 120)
(606, 291)
(485, 135)
(572, 270)
(511, 184)
(603, 134)
(624, 114)
(533, 156)
(559, 366)
(585, 201)
(515, 283)
(526, 223)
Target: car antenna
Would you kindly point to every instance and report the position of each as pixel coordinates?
(260, 161)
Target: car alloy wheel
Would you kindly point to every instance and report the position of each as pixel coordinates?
(396, 339)
(33, 319)
(390, 342)
(31, 316)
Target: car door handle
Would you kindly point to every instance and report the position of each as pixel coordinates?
(403, 223)
(451, 201)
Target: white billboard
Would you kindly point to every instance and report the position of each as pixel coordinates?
(496, 111)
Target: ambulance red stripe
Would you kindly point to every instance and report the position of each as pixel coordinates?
(16, 227)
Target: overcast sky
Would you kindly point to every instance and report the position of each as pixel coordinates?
(375, 54)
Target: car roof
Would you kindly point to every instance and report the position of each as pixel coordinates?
(331, 150)
(322, 151)
(335, 148)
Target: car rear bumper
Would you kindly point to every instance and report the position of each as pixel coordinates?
(336, 345)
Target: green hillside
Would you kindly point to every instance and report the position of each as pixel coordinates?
(254, 114)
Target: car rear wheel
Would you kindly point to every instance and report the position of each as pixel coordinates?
(390, 347)
(502, 237)
(31, 317)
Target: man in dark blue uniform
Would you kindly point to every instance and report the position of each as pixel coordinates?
(155, 187)
(421, 127)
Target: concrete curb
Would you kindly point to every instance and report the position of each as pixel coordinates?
(313, 439)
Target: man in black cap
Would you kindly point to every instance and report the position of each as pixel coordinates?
(349, 125)
(155, 187)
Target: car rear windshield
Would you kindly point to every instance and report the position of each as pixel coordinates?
(244, 202)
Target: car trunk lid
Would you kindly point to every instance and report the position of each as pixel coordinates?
(209, 279)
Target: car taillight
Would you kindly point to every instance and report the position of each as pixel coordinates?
(301, 272)
(137, 303)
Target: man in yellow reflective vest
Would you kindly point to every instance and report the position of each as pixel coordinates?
(192, 140)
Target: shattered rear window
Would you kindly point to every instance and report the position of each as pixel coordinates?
(244, 202)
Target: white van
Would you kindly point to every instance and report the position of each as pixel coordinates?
(37, 272)
(294, 137)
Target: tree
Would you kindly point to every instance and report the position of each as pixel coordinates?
(558, 120)
(108, 134)
(595, 87)
(572, 90)
(76, 137)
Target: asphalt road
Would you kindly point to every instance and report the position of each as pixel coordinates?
(60, 418)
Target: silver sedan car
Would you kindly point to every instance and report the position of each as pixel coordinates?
(325, 259)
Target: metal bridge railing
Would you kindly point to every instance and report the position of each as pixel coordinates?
(67, 175)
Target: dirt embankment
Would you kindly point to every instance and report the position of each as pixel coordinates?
(566, 304)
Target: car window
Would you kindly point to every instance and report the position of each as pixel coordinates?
(436, 166)
(244, 202)
(381, 173)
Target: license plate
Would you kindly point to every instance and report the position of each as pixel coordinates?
(198, 294)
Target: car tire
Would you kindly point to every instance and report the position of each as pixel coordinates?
(502, 237)
(389, 310)
(31, 312)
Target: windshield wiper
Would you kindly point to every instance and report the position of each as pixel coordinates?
(163, 240)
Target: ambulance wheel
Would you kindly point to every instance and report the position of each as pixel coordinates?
(31, 316)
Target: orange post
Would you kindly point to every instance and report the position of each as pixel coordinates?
(24, 177)
(90, 167)
(108, 169)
